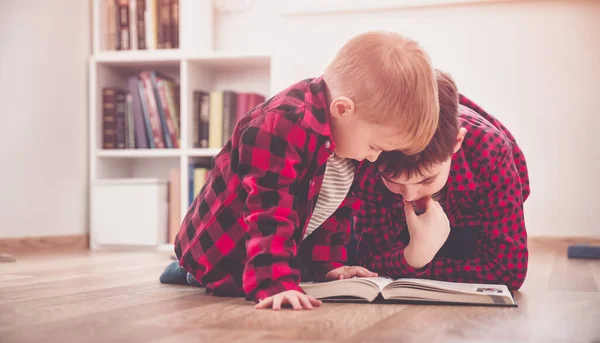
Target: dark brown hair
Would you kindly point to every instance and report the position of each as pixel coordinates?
(392, 164)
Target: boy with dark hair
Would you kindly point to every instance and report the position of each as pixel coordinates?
(453, 212)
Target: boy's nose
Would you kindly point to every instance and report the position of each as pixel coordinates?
(410, 195)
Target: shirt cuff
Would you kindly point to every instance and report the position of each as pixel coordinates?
(276, 287)
(409, 271)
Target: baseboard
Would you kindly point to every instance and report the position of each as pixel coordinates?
(44, 244)
(594, 240)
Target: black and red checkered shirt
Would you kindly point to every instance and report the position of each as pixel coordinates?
(483, 200)
(243, 232)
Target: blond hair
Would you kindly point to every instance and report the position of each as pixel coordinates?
(393, 164)
(390, 79)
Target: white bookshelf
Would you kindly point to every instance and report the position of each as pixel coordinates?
(195, 66)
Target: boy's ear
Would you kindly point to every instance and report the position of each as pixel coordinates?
(341, 107)
(460, 138)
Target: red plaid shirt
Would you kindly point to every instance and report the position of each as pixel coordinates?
(243, 232)
(483, 200)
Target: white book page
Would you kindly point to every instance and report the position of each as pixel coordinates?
(460, 287)
(381, 282)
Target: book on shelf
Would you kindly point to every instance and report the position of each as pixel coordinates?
(383, 289)
(197, 175)
(141, 24)
(215, 114)
(143, 116)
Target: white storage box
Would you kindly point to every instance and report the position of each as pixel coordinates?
(128, 212)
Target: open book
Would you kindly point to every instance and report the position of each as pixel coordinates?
(409, 290)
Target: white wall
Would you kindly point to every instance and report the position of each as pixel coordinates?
(533, 64)
(44, 46)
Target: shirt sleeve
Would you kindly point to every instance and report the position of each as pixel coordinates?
(268, 163)
(328, 242)
(502, 254)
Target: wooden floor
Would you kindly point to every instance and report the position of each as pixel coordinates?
(116, 297)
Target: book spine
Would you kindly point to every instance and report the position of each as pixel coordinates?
(195, 118)
(215, 132)
(164, 31)
(153, 111)
(204, 120)
(160, 110)
(117, 24)
(229, 114)
(170, 95)
(146, 114)
(130, 123)
(109, 110)
(139, 129)
(141, 24)
(242, 106)
(199, 179)
(124, 24)
(177, 94)
(120, 130)
(133, 24)
(175, 23)
(155, 22)
(255, 100)
(149, 19)
(162, 91)
(126, 121)
(190, 181)
(111, 25)
(159, 30)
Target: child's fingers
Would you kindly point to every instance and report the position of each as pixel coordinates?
(264, 303)
(314, 301)
(370, 272)
(409, 211)
(367, 273)
(277, 302)
(292, 299)
(305, 301)
(360, 271)
(430, 204)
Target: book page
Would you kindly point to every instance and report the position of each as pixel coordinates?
(456, 286)
(381, 282)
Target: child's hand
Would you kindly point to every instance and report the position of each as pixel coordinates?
(346, 272)
(428, 232)
(297, 300)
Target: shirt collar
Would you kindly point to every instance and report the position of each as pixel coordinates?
(316, 111)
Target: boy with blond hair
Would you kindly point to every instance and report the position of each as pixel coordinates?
(453, 212)
(274, 199)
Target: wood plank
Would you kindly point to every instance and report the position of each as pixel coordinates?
(332, 321)
(112, 296)
(572, 275)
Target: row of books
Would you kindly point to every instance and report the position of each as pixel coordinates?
(142, 24)
(216, 113)
(146, 115)
(143, 116)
